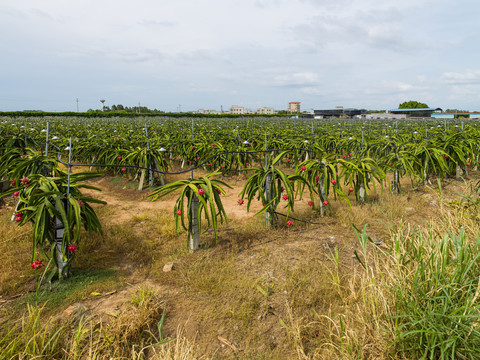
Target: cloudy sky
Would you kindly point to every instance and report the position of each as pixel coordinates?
(191, 54)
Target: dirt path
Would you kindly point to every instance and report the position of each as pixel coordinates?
(129, 202)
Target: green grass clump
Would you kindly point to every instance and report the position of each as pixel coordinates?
(32, 338)
(114, 180)
(437, 309)
(79, 286)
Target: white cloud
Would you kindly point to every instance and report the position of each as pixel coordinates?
(299, 79)
(310, 90)
(466, 78)
(404, 87)
(115, 55)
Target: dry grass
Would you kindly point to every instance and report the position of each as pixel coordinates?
(15, 247)
(88, 336)
(180, 349)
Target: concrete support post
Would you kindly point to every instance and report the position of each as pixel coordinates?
(194, 236)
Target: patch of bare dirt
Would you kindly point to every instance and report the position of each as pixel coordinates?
(129, 202)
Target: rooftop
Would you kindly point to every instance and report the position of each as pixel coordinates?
(417, 109)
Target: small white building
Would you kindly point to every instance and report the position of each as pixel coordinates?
(381, 116)
(238, 110)
(266, 111)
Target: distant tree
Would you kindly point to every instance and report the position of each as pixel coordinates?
(455, 111)
(412, 105)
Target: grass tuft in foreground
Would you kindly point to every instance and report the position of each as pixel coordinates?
(415, 298)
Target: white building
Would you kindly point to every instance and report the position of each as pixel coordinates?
(238, 110)
(266, 111)
(381, 116)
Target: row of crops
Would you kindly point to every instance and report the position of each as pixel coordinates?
(416, 149)
(283, 159)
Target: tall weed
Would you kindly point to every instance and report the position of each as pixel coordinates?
(436, 295)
